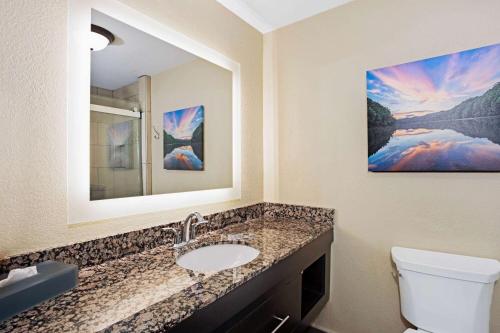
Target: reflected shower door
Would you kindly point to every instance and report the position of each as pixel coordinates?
(115, 156)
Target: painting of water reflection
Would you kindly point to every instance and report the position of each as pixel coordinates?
(437, 114)
(183, 139)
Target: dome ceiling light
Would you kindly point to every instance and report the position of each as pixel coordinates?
(99, 38)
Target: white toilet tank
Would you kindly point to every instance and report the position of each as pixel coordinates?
(445, 293)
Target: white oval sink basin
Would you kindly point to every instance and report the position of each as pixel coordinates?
(217, 257)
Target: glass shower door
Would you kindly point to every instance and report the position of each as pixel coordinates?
(115, 156)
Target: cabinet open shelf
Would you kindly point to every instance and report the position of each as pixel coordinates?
(313, 285)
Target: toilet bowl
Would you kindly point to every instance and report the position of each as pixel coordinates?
(445, 293)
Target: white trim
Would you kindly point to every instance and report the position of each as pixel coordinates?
(80, 208)
(247, 14)
(112, 110)
(271, 120)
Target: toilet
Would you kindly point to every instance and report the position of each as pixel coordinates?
(445, 293)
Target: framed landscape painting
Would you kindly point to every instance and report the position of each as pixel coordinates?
(440, 114)
(183, 139)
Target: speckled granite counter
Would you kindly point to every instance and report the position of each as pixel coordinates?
(148, 292)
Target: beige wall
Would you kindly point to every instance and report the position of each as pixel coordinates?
(33, 117)
(323, 150)
(198, 82)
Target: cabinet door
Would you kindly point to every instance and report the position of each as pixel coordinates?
(279, 313)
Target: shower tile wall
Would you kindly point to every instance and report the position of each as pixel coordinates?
(126, 97)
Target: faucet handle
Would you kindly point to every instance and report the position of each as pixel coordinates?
(176, 232)
(194, 225)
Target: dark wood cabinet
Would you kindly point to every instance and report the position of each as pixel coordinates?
(279, 312)
(283, 299)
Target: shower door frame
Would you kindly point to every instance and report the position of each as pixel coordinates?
(80, 208)
(143, 142)
(112, 110)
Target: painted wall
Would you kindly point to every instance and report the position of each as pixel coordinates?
(33, 117)
(323, 150)
(198, 82)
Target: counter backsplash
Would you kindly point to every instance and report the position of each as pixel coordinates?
(100, 250)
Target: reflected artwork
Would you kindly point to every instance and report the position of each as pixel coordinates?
(183, 139)
(437, 114)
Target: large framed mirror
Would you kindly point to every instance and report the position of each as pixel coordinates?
(153, 116)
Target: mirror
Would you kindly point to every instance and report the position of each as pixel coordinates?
(119, 128)
(161, 118)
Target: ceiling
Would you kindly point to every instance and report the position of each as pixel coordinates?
(268, 15)
(133, 54)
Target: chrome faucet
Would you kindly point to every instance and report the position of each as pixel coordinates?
(177, 234)
(188, 229)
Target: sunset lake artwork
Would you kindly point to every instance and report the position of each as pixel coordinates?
(183, 139)
(440, 114)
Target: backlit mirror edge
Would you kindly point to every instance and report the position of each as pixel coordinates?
(80, 209)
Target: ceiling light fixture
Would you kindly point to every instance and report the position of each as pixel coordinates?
(99, 38)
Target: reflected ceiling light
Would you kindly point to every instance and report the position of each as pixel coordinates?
(99, 38)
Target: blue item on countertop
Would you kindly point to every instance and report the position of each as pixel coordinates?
(53, 278)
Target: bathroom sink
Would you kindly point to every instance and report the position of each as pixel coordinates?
(217, 257)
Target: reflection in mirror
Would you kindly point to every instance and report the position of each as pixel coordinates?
(161, 118)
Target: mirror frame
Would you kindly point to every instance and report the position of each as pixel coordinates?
(80, 208)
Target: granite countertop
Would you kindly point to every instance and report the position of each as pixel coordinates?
(148, 292)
